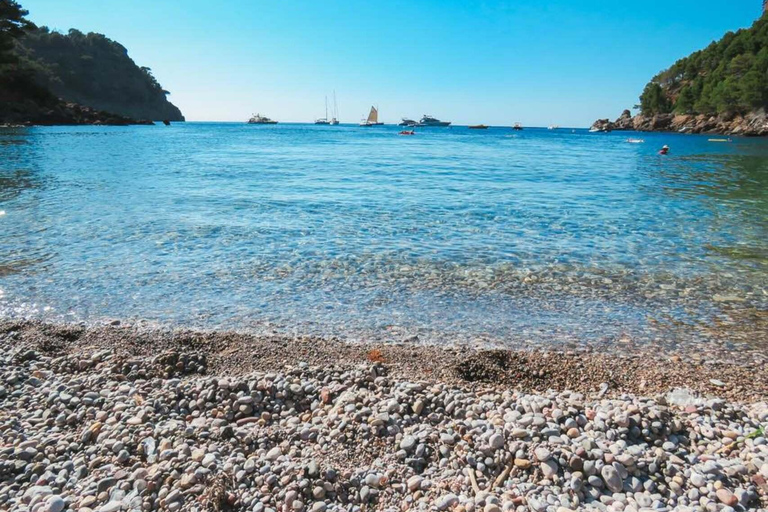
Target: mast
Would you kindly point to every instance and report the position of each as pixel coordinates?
(326, 108)
(335, 108)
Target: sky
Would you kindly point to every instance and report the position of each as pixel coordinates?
(565, 62)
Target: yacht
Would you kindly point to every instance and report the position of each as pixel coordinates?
(431, 121)
(335, 119)
(373, 118)
(408, 122)
(477, 127)
(324, 120)
(553, 127)
(517, 126)
(259, 119)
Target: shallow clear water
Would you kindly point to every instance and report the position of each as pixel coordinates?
(450, 234)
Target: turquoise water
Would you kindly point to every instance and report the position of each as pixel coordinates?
(452, 234)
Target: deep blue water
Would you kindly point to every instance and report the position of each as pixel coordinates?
(450, 234)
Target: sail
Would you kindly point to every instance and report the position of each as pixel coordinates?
(373, 117)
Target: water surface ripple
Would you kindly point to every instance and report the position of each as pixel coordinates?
(452, 234)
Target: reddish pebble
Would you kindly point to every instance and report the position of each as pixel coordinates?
(727, 497)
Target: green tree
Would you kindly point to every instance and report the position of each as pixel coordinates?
(654, 100)
(685, 102)
(13, 25)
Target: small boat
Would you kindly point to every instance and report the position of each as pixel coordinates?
(335, 119)
(166, 122)
(635, 141)
(477, 127)
(259, 119)
(553, 127)
(407, 122)
(517, 126)
(373, 118)
(407, 132)
(432, 121)
(720, 140)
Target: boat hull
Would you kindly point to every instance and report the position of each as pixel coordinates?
(478, 127)
(371, 124)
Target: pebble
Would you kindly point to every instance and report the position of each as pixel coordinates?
(108, 433)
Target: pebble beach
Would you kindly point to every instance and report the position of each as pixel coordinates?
(97, 419)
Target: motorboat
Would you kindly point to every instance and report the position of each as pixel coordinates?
(373, 118)
(517, 126)
(432, 121)
(259, 119)
(407, 122)
(478, 127)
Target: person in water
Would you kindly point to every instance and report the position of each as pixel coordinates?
(664, 150)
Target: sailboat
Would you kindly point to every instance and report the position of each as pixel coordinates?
(335, 119)
(324, 120)
(373, 118)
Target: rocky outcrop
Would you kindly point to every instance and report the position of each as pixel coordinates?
(753, 124)
(28, 114)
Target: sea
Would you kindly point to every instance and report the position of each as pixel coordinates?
(452, 236)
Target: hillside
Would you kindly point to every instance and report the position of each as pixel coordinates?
(720, 89)
(92, 70)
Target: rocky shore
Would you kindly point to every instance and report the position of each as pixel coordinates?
(125, 418)
(31, 114)
(753, 124)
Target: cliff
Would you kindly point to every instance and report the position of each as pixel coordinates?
(720, 89)
(92, 70)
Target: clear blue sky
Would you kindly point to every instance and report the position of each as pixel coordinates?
(563, 62)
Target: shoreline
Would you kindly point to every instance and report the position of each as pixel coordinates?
(121, 418)
(627, 368)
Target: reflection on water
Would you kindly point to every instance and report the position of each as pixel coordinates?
(450, 234)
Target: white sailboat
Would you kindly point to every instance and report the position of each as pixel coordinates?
(335, 118)
(373, 118)
(324, 120)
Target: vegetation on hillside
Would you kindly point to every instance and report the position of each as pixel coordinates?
(38, 67)
(91, 69)
(729, 76)
(17, 82)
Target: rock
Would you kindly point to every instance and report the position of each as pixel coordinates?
(698, 480)
(496, 441)
(408, 443)
(522, 463)
(274, 453)
(611, 478)
(55, 504)
(727, 497)
(542, 454)
(549, 468)
(414, 482)
(447, 501)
